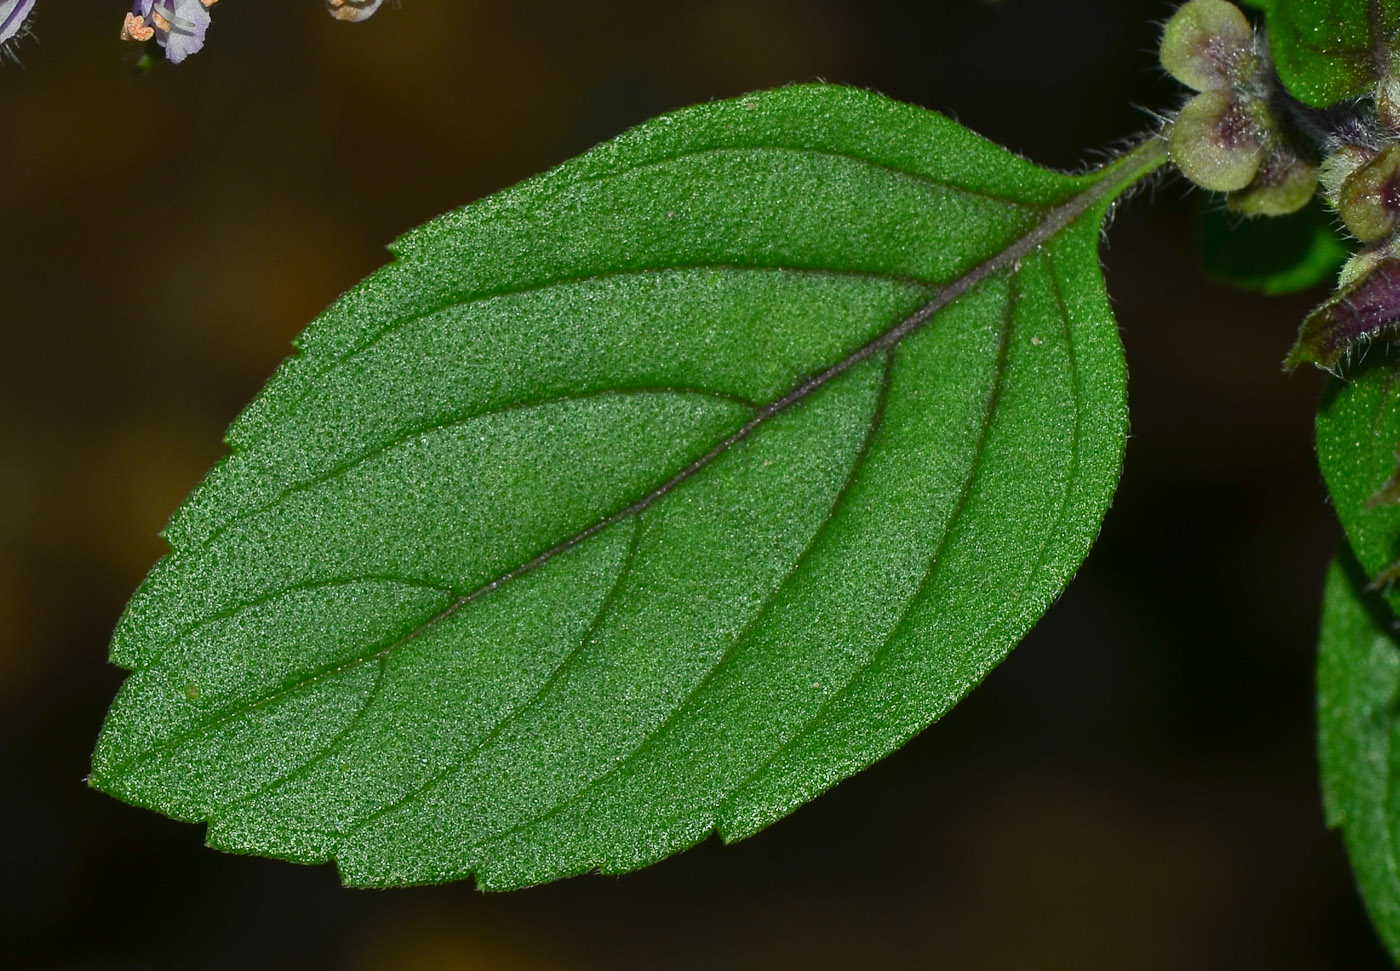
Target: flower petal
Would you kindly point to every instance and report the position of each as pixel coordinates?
(352, 10)
(13, 14)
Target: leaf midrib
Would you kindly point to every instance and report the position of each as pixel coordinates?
(1055, 221)
(989, 411)
(1380, 44)
(203, 543)
(872, 428)
(491, 293)
(989, 408)
(1134, 164)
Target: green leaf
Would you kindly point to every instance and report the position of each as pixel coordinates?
(1326, 51)
(1284, 254)
(1358, 688)
(646, 499)
(1358, 435)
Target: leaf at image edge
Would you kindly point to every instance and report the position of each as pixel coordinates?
(1277, 255)
(1358, 436)
(1358, 677)
(335, 676)
(1324, 50)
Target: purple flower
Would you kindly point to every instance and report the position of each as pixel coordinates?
(13, 14)
(352, 9)
(177, 25)
(1365, 308)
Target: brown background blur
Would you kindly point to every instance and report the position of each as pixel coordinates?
(1134, 788)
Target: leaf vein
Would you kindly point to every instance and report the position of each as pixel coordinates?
(460, 300)
(287, 688)
(1053, 222)
(270, 596)
(565, 665)
(935, 560)
(872, 427)
(449, 422)
(666, 160)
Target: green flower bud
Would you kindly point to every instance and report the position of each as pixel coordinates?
(1337, 168)
(1369, 201)
(1284, 184)
(1360, 265)
(1209, 45)
(1216, 142)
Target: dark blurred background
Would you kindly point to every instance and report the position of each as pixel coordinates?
(1134, 788)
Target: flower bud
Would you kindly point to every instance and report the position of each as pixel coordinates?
(1369, 200)
(1283, 185)
(1216, 141)
(1338, 166)
(1209, 45)
(1365, 307)
(1362, 262)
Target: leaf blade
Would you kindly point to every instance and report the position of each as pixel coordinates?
(755, 474)
(1326, 51)
(1358, 433)
(1358, 679)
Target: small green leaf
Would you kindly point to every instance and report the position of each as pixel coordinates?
(1358, 688)
(1358, 435)
(1281, 255)
(1326, 51)
(648, 498)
